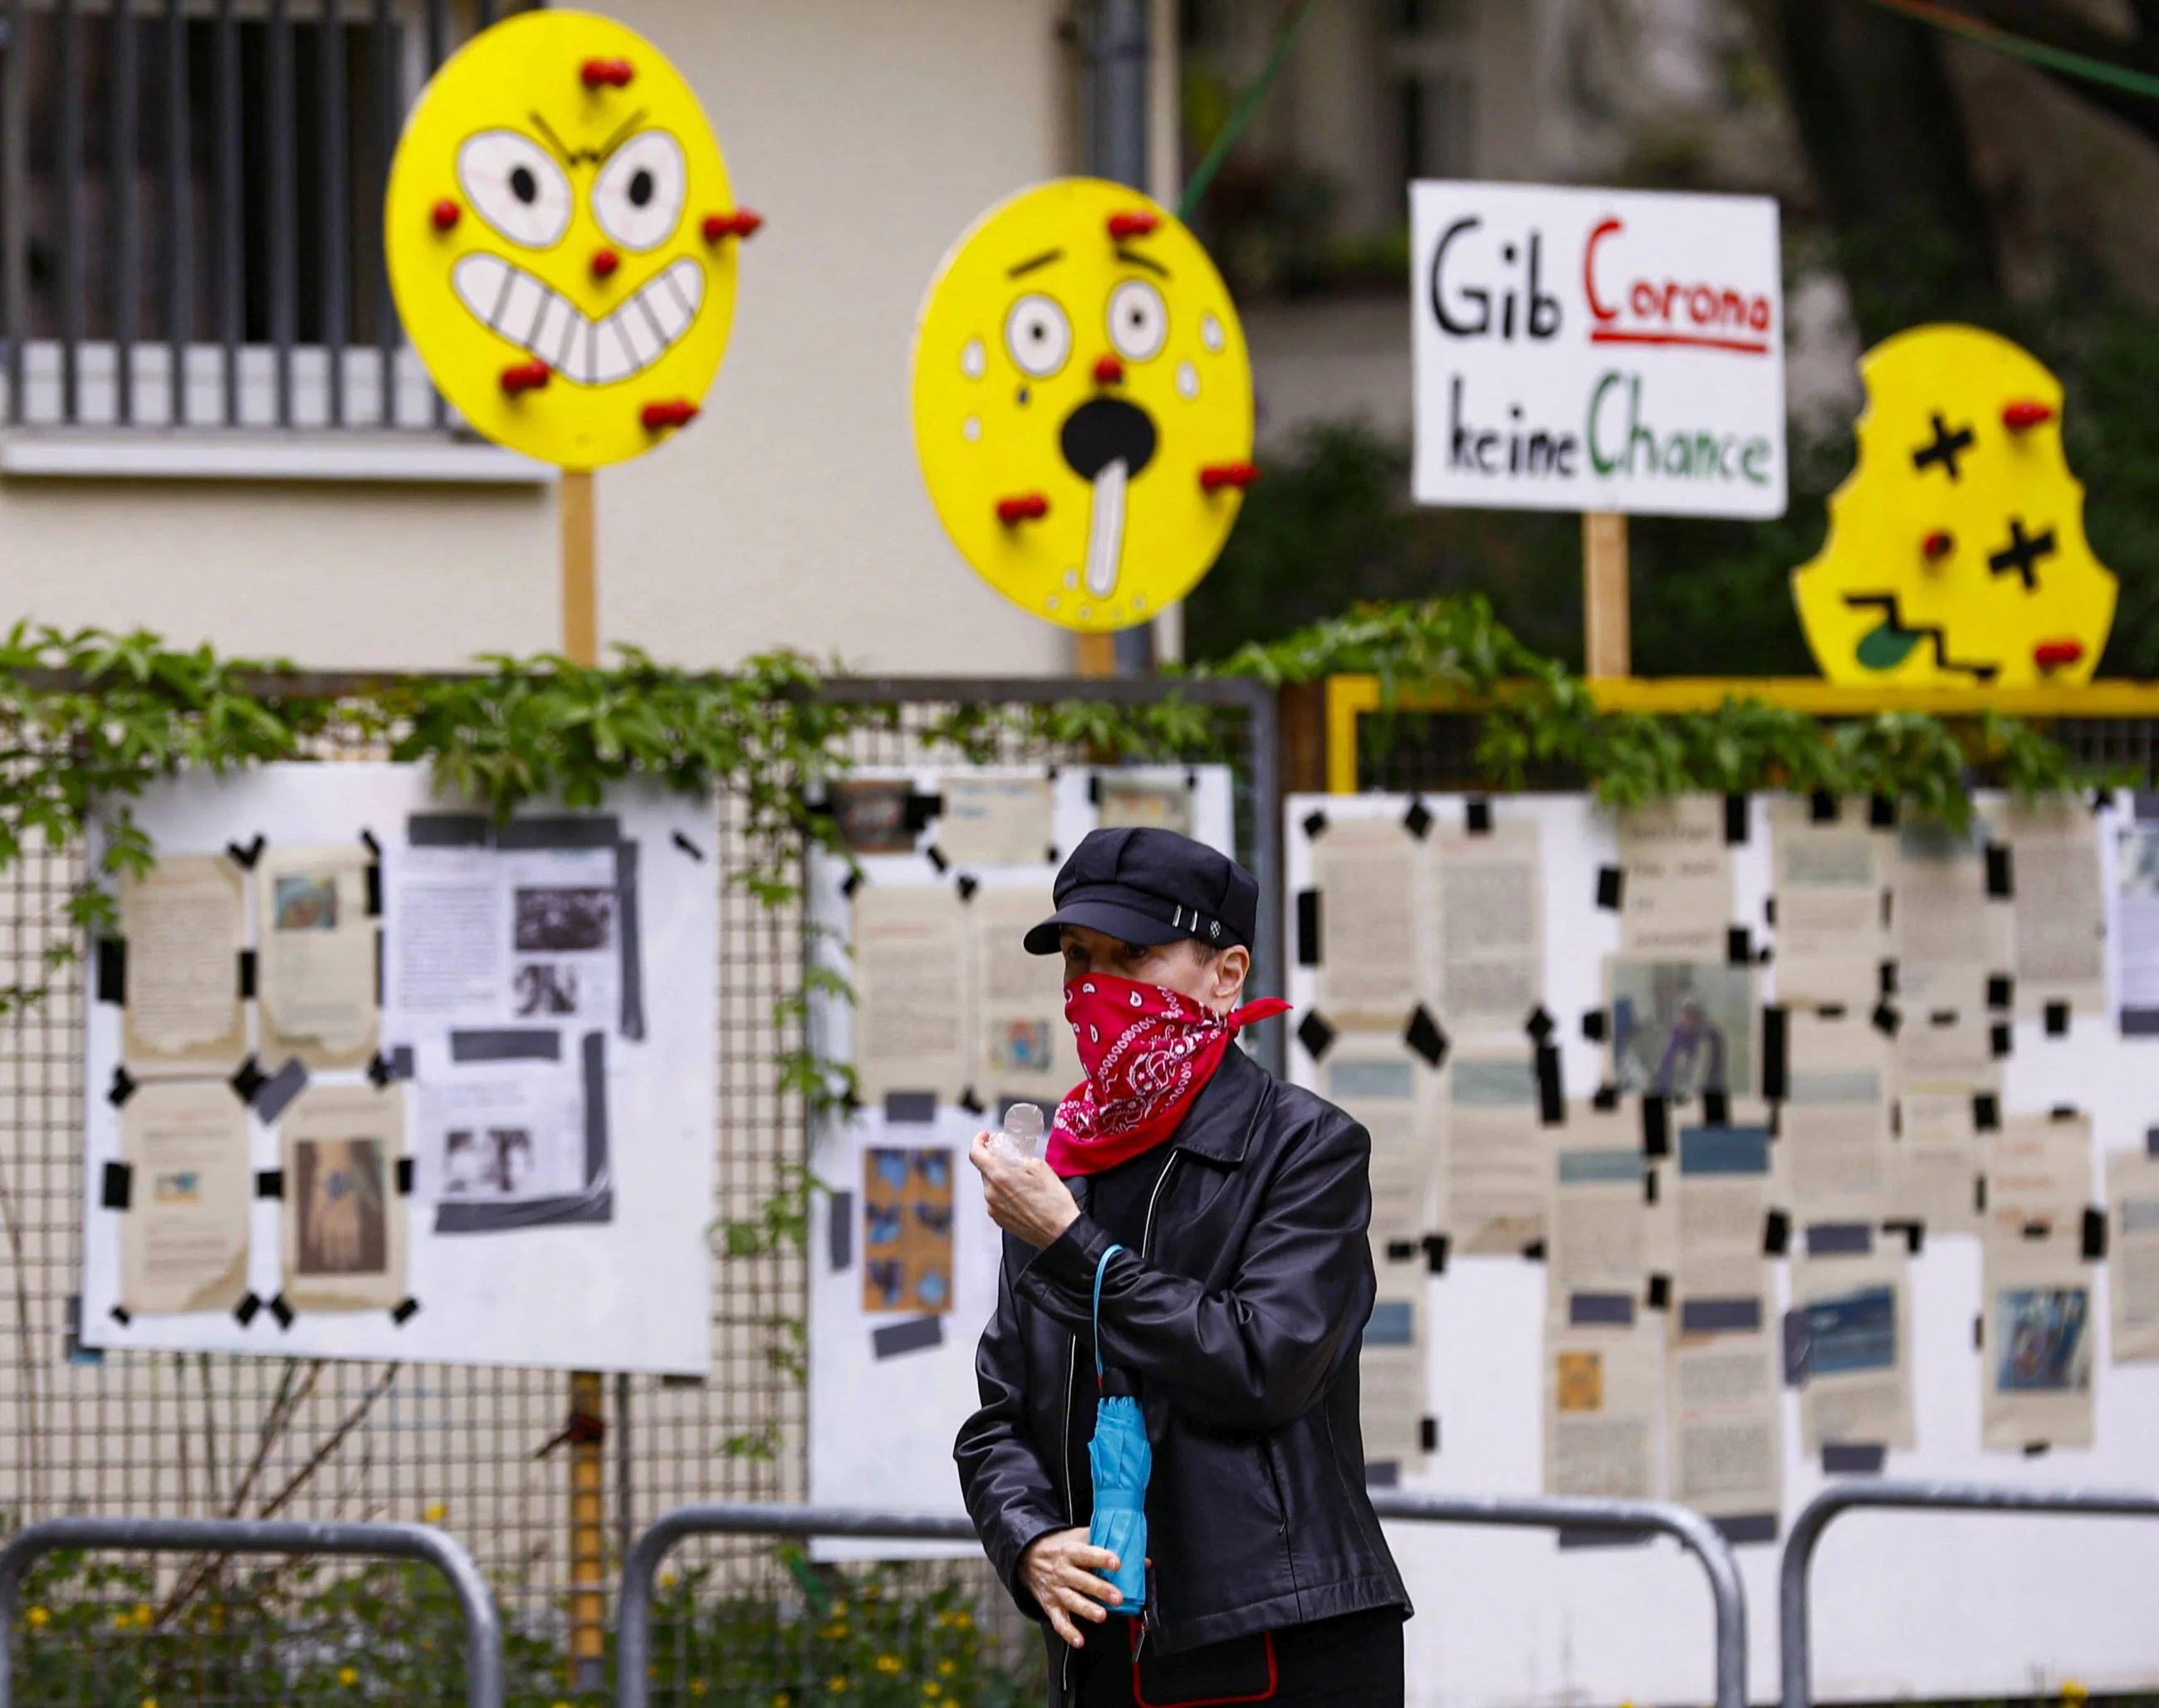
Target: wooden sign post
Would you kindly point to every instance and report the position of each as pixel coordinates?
(1607, 649)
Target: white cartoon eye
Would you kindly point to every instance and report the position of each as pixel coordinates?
(638, 195)
(1139, 320)
(1038, 335)
(515, 186)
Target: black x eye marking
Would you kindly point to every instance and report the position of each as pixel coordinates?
(2022, 555)
(1946, 448)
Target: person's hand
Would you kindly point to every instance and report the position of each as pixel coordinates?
(1026, 1199)
(1059, 1570)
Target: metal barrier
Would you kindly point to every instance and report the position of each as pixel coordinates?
(483, 1675)
(1695, 1533)
(1638, 1517)
(1954, 1497)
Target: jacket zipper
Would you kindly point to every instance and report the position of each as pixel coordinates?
(1147, 1239)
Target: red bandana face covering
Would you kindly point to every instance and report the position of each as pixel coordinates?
(1148, 1052)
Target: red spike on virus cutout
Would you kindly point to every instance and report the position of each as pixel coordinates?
(445, 215)
(1938, 544)
(521, 377)
(741, 223)
(1217, 475)
(604, 263)
(1108, 371)
(1136, 223)
(674, 412)
(2056, 655)
(2025, 413)
(608, 74)
(1028, 507)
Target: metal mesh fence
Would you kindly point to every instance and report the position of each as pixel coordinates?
(475, 1448)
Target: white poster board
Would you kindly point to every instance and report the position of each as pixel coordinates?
(1905, 1605)
(890, 1386)
(1595, 350)
(514, 1166)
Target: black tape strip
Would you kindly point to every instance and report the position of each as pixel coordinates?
(373, 877)
(1979, 1193)
(852, 882)
(1592, 1025)
(118, 1189)
(909, 1107)
(2057, 1020)
(120, 1314)
(1477, 816)
(1821, 807)
(971, 1102)
(1049, 854)
(112, 970)
(967, 885)
(920, 808)
(1798, 1348)
(1534, 1250)
(1424, 1036)
(1428, 1435)
(1656, 1127)
(2034, 1450)
(1979, 1332)
(689, 847)
(1776, 1233)
(1881, 812)
(918, 1334)
(1832, 1010)
(1551, 1095)
(247, 975)
(1611, 889)
(123, 1088)
(381, 974)
(245, 1311)
(405, 1310)
(1914, 1233)
(244, 855)
(275, 1094)
(839, 1231)
(1382, 1473)
(2004, 1039)
(1307, 928)
(1886, 1020)
(2001, 990)
(2101, 799)
(2001, 871)
(1315, 1034)
(936, 856)
(1985, 1112)
(1769, 912)
(1658, 1294)
(367, 841)
(2151, 1142)
(450, 830)
(1315, 826)
(561, 831)
(1650, 1177)
(1417, 820)
(1539, 1025)
(270, 1184)
(2094, 1242)
(512, 1045)
(1852, 1459)
(1605, 1099)
(1094, 788)
(1402, 1250)
(1888, 979)
(1717, 1108)
(281, 1310)
(1435, 1253)
(1776, 1043)
(2062, 1111)
(246, 1080)
(405, 1171)
(1735, 820)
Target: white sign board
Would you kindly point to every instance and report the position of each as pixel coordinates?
(1591, 349)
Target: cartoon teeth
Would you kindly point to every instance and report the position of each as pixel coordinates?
(511, 301)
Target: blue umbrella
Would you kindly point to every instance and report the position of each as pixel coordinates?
(1120, 1459)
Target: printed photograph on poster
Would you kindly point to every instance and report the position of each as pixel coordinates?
(1145, 803)
(344, 1223)
(871, 815)
(316, 956)
(1681, 1029)
(1023, 1045)
(992, 820)
(1853, 1324)
(184, 922)
(907, 1229)
(2132, 1255)
(512, 1135)
(2037, 1353)
(184, 1238)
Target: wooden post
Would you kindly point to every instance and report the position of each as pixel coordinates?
(587, 1405)
(1098, 655)
(1607, 650)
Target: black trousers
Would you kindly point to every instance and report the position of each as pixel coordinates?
(1352, 1662)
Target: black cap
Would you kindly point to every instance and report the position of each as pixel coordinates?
(1147, 887)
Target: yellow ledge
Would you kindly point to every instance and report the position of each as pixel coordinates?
(1351, 697)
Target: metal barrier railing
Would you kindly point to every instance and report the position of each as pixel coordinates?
(634, 1638)
(1636, 1518)
(483, 1673)
(1953, 1497)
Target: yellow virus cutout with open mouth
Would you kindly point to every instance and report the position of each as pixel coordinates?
(1956, 555)
(562, 239)
(1082, 404)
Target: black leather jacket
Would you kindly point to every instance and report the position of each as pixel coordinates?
(1242, 1319)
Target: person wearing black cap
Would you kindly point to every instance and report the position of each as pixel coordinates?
(1233, 1310)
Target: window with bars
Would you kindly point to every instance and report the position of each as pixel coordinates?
(191, 211)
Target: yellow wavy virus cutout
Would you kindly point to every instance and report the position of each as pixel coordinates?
(562, 239)
(1956, 554)
(1082, 404)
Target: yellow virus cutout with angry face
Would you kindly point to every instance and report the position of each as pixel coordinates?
(562, 239)
(1082, 404)
(1956, 554)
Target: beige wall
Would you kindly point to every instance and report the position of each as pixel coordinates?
(869, 133)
